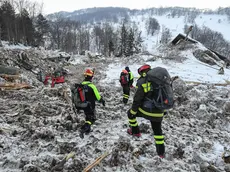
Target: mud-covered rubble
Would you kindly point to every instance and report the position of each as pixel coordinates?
(39, 129)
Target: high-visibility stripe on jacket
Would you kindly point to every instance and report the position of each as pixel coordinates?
(131, 76)
(139, 98)
(97, 94)
(92, 95)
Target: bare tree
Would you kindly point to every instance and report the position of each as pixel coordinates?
(152, 26)
(166, 35)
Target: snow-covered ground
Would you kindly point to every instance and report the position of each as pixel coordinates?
(189, 70)
(38, 128)
(215, 22)
(176, 25)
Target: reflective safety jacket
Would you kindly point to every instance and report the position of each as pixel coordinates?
(143, 88)
(92, 94)
(131, 77)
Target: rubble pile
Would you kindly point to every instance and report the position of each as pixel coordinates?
(39, 132)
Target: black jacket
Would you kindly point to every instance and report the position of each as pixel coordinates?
(138, 101)
(92, 93)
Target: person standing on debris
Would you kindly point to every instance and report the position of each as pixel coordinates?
(91, 95)
(131, 77)
(140, 108)
(124, 81)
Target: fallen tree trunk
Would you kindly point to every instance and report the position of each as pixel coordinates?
(97, 161)
(9, 77)
(14, 86)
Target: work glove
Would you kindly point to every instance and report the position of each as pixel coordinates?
(102, 101)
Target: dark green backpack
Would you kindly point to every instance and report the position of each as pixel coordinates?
(78, 96)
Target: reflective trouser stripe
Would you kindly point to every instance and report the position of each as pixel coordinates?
(159, 142)
(88, 122)
(151, 114)
(133, 112)
(133, 122)
(125, 96)
(159, 139)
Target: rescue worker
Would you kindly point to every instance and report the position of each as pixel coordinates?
(131, 77)
(91, 95)
(124, 80)
(137, 111)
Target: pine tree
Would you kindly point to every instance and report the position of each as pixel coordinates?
(130, 43)
(152, 26)
(123, 40)
(166, 35)
(27, 28)
(138, 43)
(109, 40)
(111, 47)
(7, 18)
(42, 28)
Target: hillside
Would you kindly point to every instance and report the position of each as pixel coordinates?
(39, 128)
(170, 20)
(40, 131)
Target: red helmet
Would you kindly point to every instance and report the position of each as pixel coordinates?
(88, 72)
(143, 68)
(124, 71)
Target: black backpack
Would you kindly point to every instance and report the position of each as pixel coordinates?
(78, 96)
(160, 95)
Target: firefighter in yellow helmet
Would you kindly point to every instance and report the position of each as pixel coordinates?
(91, 96)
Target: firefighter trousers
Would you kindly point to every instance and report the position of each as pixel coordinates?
(89, 119)
(126, 92)
(156, 127)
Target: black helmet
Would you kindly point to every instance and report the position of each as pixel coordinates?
(127, 68)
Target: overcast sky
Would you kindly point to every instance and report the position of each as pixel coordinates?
(51, 6)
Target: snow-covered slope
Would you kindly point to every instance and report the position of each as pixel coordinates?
(189, 70)
(39, 128)
(215, 22)
(176, 25)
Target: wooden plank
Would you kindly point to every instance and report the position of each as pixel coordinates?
(6, 77)
(14, 86)
(96, 162)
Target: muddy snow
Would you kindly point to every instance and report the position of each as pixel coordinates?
(38, 127)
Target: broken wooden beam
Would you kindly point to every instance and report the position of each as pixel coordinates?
(97, 161)
(9, 77)
(14, 86)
